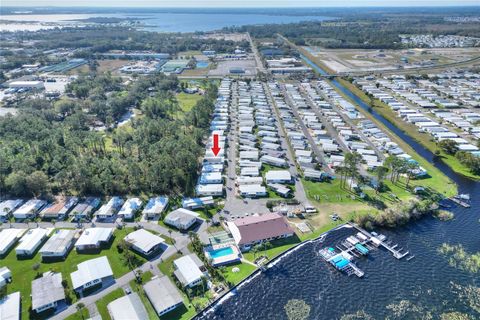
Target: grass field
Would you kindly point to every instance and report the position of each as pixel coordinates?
(23, 273)
(237, 277)
(103, 302)
(187, 101)
(278, 246)
(423, 138)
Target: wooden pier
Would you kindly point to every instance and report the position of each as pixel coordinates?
(397, 253)
(460, 202)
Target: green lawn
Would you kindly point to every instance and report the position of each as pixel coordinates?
(23, 273)
(236, 277)
(183, 312)
(79, 315)
(330, 192)
(187, 101)
(278, 246)
(103, 302)
(139, 289)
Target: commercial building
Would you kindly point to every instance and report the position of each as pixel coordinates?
(90, 273)
(249, 231)
(155, 207)
(129, 208)
(144, 242)
(7, 207)
(182, 219)
(29, 209)
(59, 245)
(10, 307)
(31, 241)
(8, 237)
(163, 295)
(94, 238)
(20, 84)
(189, 270)
(128, 307)
(47, 292)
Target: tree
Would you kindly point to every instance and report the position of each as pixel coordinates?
(449, 146)
(352, 161)
(381, 173)
(37, 183)
(80, 306)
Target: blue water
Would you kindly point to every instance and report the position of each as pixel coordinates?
(218, 253)
(202, 64)
(426, 282)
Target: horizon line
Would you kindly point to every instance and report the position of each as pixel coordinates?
(250, 7)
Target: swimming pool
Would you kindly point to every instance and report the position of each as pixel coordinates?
(218, 253)
(202, 64)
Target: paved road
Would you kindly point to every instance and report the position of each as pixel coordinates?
(299, 189)
(258, 60)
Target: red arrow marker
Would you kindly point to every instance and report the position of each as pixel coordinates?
(216, 148)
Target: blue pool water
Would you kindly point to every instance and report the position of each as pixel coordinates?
(220, 252)
(202, 64)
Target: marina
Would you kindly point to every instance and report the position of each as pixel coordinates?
(355, 246)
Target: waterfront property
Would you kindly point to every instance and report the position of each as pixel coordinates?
(182, 219)
(189, 270)
(92, 273)
(59, 245)
(127, 307)
(145, 242)
(94, 238)
(249, 231)
(163, 295)
(223, 255)
(47, 292)
(30, 242)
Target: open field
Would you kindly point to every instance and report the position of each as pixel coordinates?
(352, 60)
(187, 101)
(246, 269)
(23, 272)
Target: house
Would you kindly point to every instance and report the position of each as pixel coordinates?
(94, 238)
(7, 207)
(182, 219)
(127, 307)
(155, 206)
(249, 231)
(129, 208)
(30, 242)
(110, 209)
(90, 273)
(209, 190)
(85, 208)
(278, 176)
(252, 190)
(59, 245)
(197, 203)
(10, 306)
(8, 237)
(163, 295)
(29, 210)
(5, 276)
(144, 242)
(47, 292)
(59, 210)
(189, 270)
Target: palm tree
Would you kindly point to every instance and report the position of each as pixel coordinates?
(381, 173)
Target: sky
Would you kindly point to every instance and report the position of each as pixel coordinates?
(238, 3)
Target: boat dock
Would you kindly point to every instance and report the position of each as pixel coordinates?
(460, 202)
(380, 241)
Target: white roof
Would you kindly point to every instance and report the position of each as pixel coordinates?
(47, 289)
(93, 236)
(278, 175)
(155, 205)
(31, 239)
(188, 269)
(30, 206)
(143, 240)
(10, 307)
(9, 235)
(59, 242)
(130, 206)
(90, 270)
(8, 206)
(129, 307)
(162, 293)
